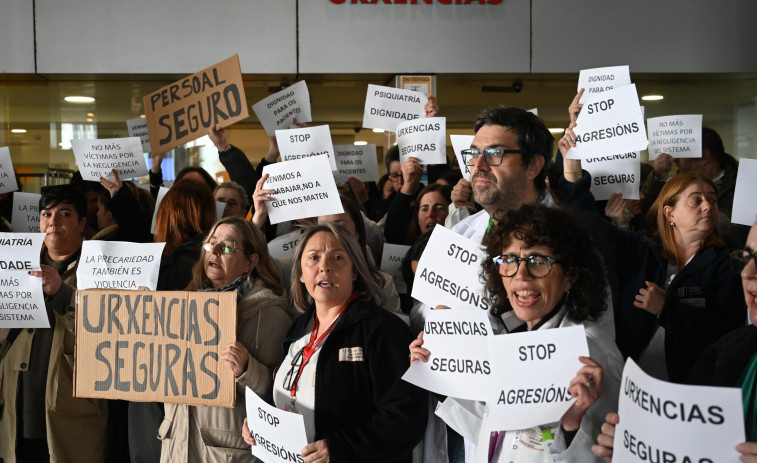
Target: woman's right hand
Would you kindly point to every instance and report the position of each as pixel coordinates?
(603, 447)
(417, 352)
(247, 434)
(259, 197)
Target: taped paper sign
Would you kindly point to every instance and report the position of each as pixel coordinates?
(616, 173)
(278, 111)
(385, 107)
(391, 263)
(600, 80)
(744, 205)
(356, 161)
(25, 215)
(161, 194)
(423, 139)
(22, 302)
(7, 176)
(138, 128)
(460, 143)
(678, 136)
(306, 142)
(149, 346)
(118, 265)
(96, 158)
(184, 110)
(279, 435)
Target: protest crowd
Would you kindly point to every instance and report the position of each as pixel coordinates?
(325, 332)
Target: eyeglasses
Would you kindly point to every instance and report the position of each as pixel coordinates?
(227, 246)
(740, 258)
(395, 177)
(293, 374)
(492, 156)
(537, 266)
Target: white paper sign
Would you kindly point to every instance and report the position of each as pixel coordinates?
(118, 265)
(22, 302)
(279, 435)
(161, 193)
(356, 161)
(96, 158)
(679, 136)
(391, 263)
(609, 123)
(676, 422)
(546, 361)
(424, 139)
(459, 362)
(600, 80)
(460, 143)
(385, 107)
(615, 173)
(744, 204)
(306, 142)
(304, 188)
(25, 214)
(277, 111)
(138, 128)
(7, 177)
(219, 210)
(284, 246)
(534, 111)
(450, 275)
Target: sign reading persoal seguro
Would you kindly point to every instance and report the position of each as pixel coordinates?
(423, 139)
(306, 142)
(679, 136)
(278, 111)
(96, 158)
(22, 302)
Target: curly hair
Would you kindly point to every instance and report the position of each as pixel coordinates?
(571, 244)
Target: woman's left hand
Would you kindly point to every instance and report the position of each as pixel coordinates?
(317, 452)
(748, 451)
(112, 185)
(586, 387)
(651, 298)
(235, 355)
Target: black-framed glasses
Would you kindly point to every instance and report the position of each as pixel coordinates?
(293, 374)
(227, 246)
(537, 266)
(395, 177)
(740, 258)
(492, 156)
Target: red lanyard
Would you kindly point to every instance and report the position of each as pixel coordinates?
(314, 343)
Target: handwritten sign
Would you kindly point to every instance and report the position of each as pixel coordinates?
(391, 263)
(25, 215)
(150, 346)
(284, 246)
(161, 194)
(459, 363)
(118, 265)
(22, 302)
(610, 122)
(546, 362)
(356, 161)
(450, 276)
(744, 205)
(679, 136)
(306, 142)
(96, 158)
(600, 80)
(460, 143)
(279, 435)
(615, 173)
(304, 188)
(423, 139)
(385, 107)
(661, 421)
(138, 128)
(7, 176)
(277, 112)
(184, 110)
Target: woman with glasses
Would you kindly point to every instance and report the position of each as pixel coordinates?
(235, 258)
(539, 276)
(344, 359)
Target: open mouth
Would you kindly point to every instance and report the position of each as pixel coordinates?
(326, 284)
(526, 297)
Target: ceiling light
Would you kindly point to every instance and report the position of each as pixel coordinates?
(89, 119)
(361, 143)
(79, 99)
(142, 116)
(556, 130)
(379, 130)
(18, 131)
(90, 114)
(652, 97)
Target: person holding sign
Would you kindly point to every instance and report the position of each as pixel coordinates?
(539, 276)
(123, 212)
(41, 417)
(344, 359)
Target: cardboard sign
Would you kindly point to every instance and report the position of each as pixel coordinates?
(450, 276)
(600, 80)
(186, 109)
(161, 194)
(460, 143)
(149, 346)
(22, 302)
(356, 161)
(391, 263)
(422, 84)
(679, 136)
(609, 123)
(96, 158)
(279, 435)
(546, 362)
(278, 111)
(744, 205)
(25, 215)
(118, 265)
(7, 176)
(138, 128)
(385, 107)
(661, 421)
(423, 139)
(459, 362)
(306, 142)
(304, 188)
(616, 173)
(284, 246)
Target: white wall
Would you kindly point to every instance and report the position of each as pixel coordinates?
(16, 36)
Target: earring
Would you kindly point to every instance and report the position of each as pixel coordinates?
(672, 224)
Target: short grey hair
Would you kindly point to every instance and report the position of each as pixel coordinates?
(239, 189)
